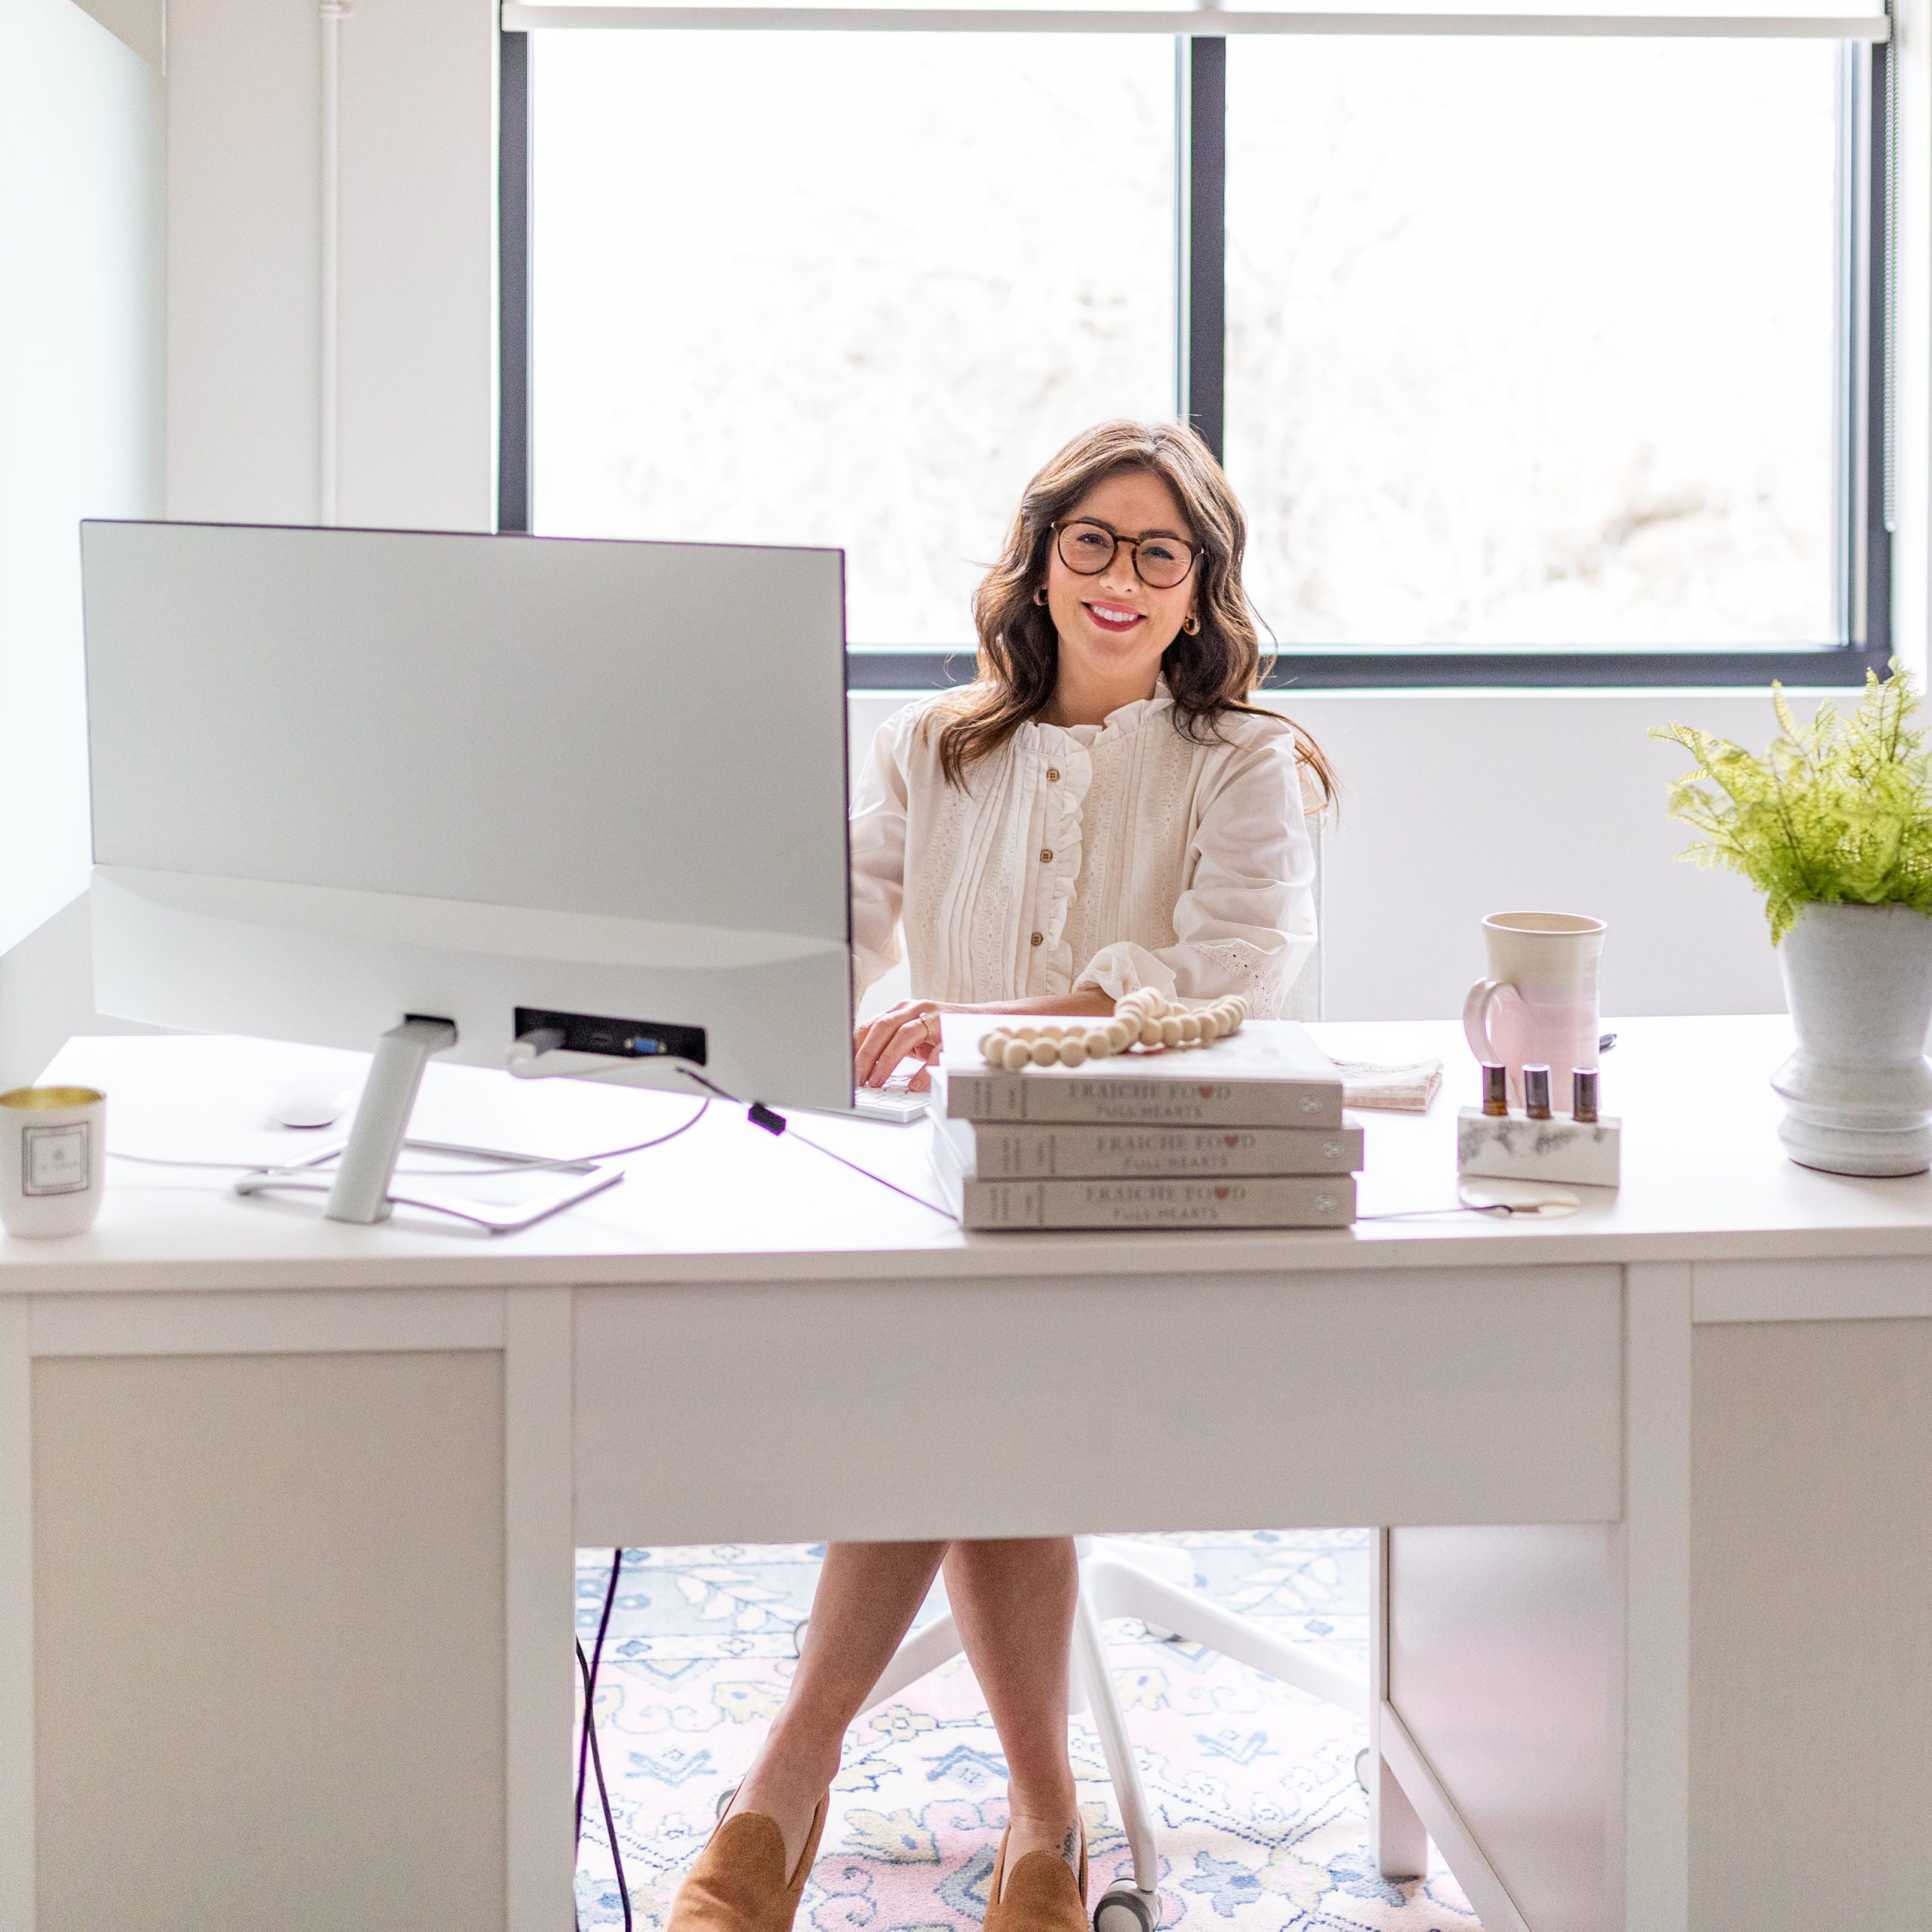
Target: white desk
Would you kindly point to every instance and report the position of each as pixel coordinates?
(1638, 1673)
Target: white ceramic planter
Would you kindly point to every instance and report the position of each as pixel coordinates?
(1858, 1091)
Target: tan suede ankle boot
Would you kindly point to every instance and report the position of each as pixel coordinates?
(1041, 1895)
(740, 1883)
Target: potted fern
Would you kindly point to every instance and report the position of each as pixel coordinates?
(1833, 824)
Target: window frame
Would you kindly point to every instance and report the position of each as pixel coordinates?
(1866, 378)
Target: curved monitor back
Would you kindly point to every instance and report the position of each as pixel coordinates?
(342, 776)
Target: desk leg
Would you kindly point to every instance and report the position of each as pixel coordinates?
(540, 1608)
(1650, 1864)
(17, 1766)
(1397, 1840)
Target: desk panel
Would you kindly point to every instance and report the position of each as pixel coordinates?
(761, 1412)
(1811, 1623)
(270, 1645)
(1503, 1663)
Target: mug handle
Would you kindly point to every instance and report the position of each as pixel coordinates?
(1483, 995)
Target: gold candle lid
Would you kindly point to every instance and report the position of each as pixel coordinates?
(1583, 1095)
(1536, 1092)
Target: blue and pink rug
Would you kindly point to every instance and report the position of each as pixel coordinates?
(1262, 1827)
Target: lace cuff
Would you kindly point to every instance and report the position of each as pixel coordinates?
(1237, 966)
(1124, 967)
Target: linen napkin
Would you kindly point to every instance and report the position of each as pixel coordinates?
(1407, 1089)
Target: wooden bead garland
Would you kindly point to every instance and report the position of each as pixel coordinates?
(1141, 1018)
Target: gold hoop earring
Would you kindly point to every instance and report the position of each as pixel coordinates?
(1040, 596)
(1191, 624)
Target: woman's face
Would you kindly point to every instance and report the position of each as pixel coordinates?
(1112, 625)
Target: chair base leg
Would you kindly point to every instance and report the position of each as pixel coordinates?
(1120, 1587)
(919, 1656)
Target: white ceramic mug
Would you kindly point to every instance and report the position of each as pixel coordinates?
(53, 1159)
(1538, 1006)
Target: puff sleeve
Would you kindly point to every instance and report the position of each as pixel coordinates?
(1245, 921)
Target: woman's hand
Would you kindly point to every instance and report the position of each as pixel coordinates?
(908, 1031)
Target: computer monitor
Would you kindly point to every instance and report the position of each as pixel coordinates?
(571, 807)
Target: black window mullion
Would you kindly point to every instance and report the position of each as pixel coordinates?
(1880, 349)
(1201, 140)
(513, 284)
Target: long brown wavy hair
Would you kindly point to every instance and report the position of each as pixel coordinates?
(1215, 670)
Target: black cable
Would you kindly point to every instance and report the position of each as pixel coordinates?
(590, 1685)
(588, 1671)
(773, 1122)
(603, 1798)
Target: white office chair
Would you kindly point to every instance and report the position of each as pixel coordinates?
(1153, 1582)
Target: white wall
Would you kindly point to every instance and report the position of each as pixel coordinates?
(244, 193)
(81, 189)
(417, 312)
(47, 994)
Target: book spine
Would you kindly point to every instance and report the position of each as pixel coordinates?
(1007, 1098)
(1030, 1152)
(1299, 1201)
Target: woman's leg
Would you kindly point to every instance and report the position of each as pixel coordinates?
(1014, 1600)
(868, 1594)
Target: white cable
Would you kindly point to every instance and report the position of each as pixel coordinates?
(448, 1173)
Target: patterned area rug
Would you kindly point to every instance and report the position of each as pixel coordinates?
(1261, 1826)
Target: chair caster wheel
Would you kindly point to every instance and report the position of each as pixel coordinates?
(1126, 1908)
(1361, 1768)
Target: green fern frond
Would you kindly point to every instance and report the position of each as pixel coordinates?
(1836, 812)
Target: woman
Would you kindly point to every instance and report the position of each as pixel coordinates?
(1102, 810)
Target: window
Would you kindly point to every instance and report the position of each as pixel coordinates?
(1535, 358)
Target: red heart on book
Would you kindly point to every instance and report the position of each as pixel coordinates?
(1206, 1093)
(1221, 1194)
(1231, 1140)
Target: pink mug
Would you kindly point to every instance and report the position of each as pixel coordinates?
(1539, 1004)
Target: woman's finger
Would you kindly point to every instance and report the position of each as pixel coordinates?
(874, 1042)
(870, 1041)
(886, 1040)
(904, 1044)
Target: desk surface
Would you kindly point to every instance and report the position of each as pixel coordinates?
(1705, 1178)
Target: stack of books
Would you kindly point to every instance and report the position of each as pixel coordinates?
(1247, 1133)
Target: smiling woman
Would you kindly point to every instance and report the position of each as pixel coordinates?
(1042, 645)
(1104, 809)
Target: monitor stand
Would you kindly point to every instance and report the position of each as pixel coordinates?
(361, 1189)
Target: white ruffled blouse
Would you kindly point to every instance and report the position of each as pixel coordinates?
(1116, 855)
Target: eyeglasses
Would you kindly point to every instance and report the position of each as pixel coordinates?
(1086, 548)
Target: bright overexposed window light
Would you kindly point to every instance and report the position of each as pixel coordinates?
(1531, 342)
(847, 289)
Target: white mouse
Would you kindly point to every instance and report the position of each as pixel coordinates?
(310, 1103)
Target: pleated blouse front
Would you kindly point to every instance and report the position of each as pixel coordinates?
(1116, 856)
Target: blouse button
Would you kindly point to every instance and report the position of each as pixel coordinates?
(1046, 857)
(1038, 938)
(1053, 774)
